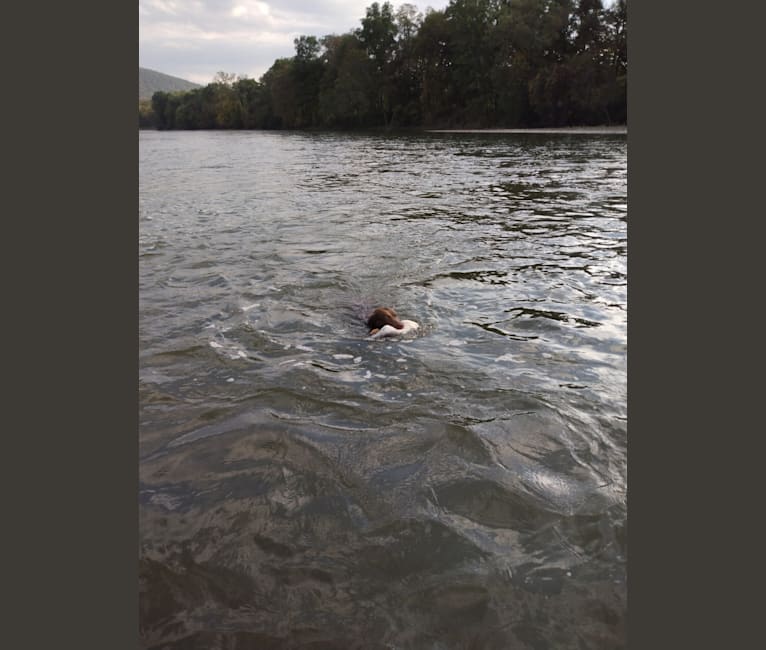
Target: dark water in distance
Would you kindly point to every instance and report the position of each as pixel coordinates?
(303, 487)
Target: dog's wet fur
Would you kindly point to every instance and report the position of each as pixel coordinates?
(383, 316)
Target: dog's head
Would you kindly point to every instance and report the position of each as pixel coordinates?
(384, 316)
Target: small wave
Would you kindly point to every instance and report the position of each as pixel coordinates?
(492, 504)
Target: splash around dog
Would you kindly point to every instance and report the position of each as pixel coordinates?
(385, 322)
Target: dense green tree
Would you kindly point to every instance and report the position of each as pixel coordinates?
(378, 36)
(473, 54)
(432, 51)
(226, 106)
(616, 54)
(253, 102)
(189, 112)
(164, 106)
(588, 69)
(306, 48)
(405, 69)
(306, 73)
(146, 116)
(616, 19)
(589, 29)
(347, 93)
(282, 93)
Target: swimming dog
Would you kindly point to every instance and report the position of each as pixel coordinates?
(384, 321)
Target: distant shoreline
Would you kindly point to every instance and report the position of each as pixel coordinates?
(565, 130)
(590, 130)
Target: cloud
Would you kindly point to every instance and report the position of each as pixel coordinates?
(195, 39)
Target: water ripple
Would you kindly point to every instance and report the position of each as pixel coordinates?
(298, 479)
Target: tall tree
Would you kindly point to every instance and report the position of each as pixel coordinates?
(378, 33)
(588, 27)
(252, 99)
(189, 112)
(279, 84)
(378, 36)
(473, 55)
(616, 18)
(432, 45)
(348, 93)
(307, 71)
(223, 101)
(405, 68)
(165, 106)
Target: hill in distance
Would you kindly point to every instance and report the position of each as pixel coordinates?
(150, 81)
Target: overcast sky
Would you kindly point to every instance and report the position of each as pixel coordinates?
(194, 39)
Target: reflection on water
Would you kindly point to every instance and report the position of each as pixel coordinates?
(303, 486)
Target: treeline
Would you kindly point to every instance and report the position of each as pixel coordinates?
(477, 63)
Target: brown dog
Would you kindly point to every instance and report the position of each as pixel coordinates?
(383, 316)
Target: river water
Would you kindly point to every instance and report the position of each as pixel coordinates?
(302, 486)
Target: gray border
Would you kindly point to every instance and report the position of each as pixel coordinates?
(684, 116)
(70, 235)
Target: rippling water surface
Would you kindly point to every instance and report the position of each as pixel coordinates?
(302, 486)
